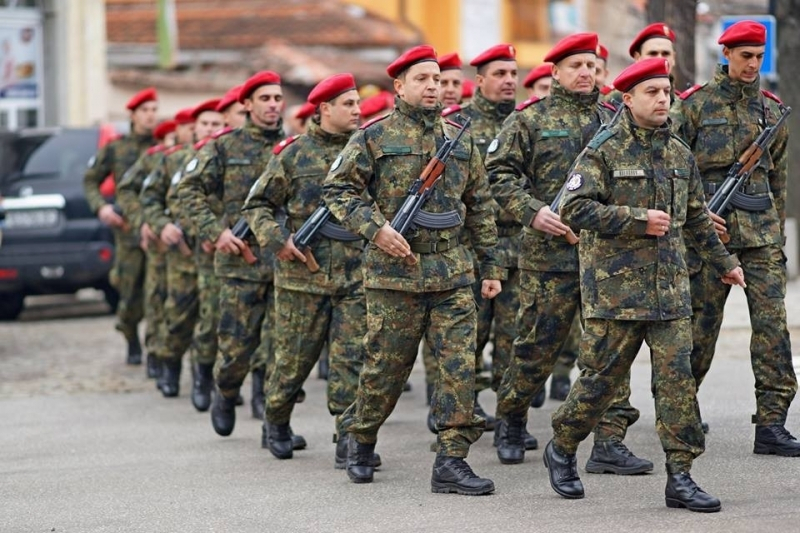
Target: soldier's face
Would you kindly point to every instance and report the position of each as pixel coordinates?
(342, 114)
(657, 47)
(499, 81)
(235, 116)
(265, 105)
(744, 62)
(184, 133)
(576, 72)
(541, 87)
(207, 123)
(600, 73)
(649, 102)
(451, 81)
(145, 117)
(420, 85)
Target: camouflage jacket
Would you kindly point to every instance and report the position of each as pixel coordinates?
(529, 161)
(154, 194)
(383, 159)
(227, 168)
(130, 186)
(719, 121)
(626, 274)
(292, 183)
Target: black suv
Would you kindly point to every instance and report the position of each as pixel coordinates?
(52, 243)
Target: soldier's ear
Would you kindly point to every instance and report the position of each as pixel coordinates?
(399, 87)
(726, 53)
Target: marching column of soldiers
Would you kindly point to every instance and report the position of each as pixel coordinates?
(574, 226)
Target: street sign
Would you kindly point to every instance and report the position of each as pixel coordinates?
(769, 68)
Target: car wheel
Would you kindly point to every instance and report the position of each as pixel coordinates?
(11, 304)
(112, 298)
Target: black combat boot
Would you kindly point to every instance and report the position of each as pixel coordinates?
(510, 446)
(340, 462)
(257, 402)
(298, 441)
(529, 440)
(682, 491)
(538, 399)
(453, 474)
(559, 388)
(563, 472)
(478, 410)
(613, 457)
(775, 440)
(704, 427)
(278, 439)
(153, 366)
(360, 459)
(169, 381)
(134, 351)
(407, 386)
(223, 414)
(432, 421)
(202, 384)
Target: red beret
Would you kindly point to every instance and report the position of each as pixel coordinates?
(578, 43)
(450, 62)
(230, 98)
(640, 71)
(265, 77)
(383, 101)
(415, 55)
(744, 33)
(145, 95)
(542, 71)
(331, 87)
(164, 129)
(603, 52)
(184, 116)
(654, 30)
(498, 52)
(208, 105)
(306, 110)
(467, 89)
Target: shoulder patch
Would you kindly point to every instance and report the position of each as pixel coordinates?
(690, 91)
(450, 110)
(529, 101)
(771, 96)
(284, 143)
(202, 142)
(574, 182)
(219, 133)
(372, 121)
(192, 165)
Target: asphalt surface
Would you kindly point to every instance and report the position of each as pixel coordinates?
(88, 445)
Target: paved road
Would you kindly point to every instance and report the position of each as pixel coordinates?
(88, 446)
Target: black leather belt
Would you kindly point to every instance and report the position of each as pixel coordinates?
(420, 247)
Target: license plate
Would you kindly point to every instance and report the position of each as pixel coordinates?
(31, 219)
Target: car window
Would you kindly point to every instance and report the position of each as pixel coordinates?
(63, 155)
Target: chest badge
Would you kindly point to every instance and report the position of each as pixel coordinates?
(191, 165)
(176, 177)
(574, 182)
(493, 146)
(336, 164)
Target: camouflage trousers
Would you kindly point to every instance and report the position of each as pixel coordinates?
(155, 295)
(182, 302)
(127, 277)
(396, 323)
(304, 322)
(244, 332)
(608, 348)
(549, 302)
(770, 347)
(205, 329)
(569, 353)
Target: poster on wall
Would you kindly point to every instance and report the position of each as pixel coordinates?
(19, 61)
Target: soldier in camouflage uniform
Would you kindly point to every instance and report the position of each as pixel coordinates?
(527, 163)
(314, 304)
(719, 121)
(127, 192)
(635, 193)
(127, 274)
(452, 79)
(430, 298)
(227, 168)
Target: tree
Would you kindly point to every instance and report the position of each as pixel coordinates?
(788, 14)
(680, 16)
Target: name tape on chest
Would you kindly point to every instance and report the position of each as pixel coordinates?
(574, 182)
(628, 173)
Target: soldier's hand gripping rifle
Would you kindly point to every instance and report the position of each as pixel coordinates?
(411, 214)
(600, 136)
(728, 192)
(241, 230)
(319, 223)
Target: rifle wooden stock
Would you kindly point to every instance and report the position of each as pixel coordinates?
(247, 253)
(571, 237)
(311, 261)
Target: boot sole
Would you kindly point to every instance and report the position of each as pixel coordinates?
(222, 431)
(767, 449)
(552, 485)
(677, 504)
(512, 461)
(450, 488)
(604, 468)
(357, 479)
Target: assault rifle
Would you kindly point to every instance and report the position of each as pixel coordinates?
(241, 230)
(319, 223)
(411, 213)
(728, 193)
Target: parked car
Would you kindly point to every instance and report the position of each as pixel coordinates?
(52, 242)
